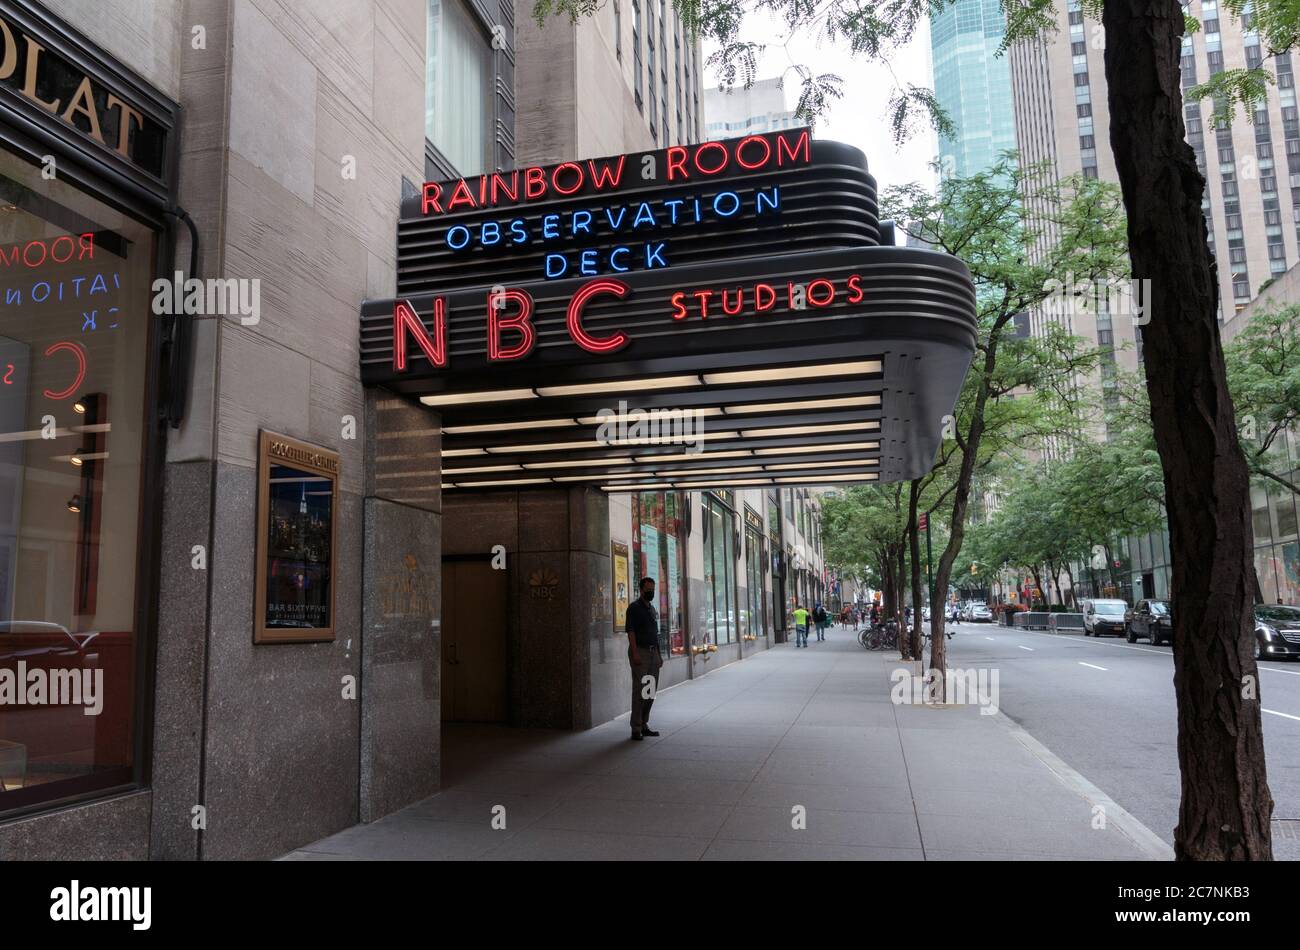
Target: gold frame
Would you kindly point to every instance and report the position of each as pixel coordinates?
(272, 446)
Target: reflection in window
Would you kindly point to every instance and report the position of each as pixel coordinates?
(458, 96)
(658, 552)
(74, 324)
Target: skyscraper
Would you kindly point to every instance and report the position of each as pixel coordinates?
(740, 111)
(972, 84)
(1061, 114)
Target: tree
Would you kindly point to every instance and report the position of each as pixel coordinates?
(1226, 805)
(985, 220)
(1264, 376)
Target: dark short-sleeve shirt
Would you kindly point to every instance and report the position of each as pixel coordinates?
(643, 623)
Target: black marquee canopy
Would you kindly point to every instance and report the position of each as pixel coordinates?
(721, 314)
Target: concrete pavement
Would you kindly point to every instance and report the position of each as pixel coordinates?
(791, 754)
(1108, 707)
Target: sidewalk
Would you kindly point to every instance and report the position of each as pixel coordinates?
(740, 749)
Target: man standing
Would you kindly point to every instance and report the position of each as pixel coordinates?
(643, 653)
(800, 626)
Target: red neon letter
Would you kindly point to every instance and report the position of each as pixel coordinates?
(700, 151)
(534, 183)
(521, 322)
(740, 296)
(603, 178)
(759, 305)
(703, 297)
(461, 195)
(679, 308)
(676, 159)
(830, 293)
(432, 192)
(767, 152)
(499, 185)
(555, 178)
(783, 150)
(601, 285)
(404, 318)
(76, 350)
(855, 288)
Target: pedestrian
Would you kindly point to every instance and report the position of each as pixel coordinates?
(820, 618)
(800, 626)
(643, 654)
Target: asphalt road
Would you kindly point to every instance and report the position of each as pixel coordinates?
(1107, 708)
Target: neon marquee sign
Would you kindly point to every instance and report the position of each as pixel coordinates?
(511, 333)
(567, 179)
(611, 237)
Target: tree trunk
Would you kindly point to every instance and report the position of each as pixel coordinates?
(1226, 805)
(1038, 586)
(1069, 575)
(957, 521)
(914, 536)
(904, 638)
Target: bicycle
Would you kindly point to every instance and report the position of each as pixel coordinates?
(884, 637)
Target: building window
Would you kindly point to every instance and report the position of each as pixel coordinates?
(70, 507)
(459, 79)
(719, 573)
(637, 78)
(658, 545)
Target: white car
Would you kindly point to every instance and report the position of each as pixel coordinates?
(980, 613)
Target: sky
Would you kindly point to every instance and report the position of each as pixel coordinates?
(861, 117)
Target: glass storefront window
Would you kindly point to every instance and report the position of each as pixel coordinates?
(754, 574)
(75, 295)
(657, 551)
(459, 80)
(1289, 573)
(1268, 569)
(719, 574)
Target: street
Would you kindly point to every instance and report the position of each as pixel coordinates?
(1106, 707)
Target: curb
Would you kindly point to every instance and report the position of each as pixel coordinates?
(1147, 841)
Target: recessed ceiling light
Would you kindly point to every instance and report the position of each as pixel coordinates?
(620, 385)
(494, 395)
(507, 426)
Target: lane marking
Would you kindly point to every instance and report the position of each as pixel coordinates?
(1124, 646)
(988, 638)
(1030, 649)
(1094, 666)
(1282, 714)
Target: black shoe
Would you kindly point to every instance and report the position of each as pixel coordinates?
(636, 737)
(649, 732)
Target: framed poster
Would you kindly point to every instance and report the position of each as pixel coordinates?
(297, 511)
(622, 583)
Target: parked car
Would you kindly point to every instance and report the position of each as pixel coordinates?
(1277, 631)
(1151, 619)
(980, 613)
(1102, 617)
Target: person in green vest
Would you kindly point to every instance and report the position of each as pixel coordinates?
(800, 626)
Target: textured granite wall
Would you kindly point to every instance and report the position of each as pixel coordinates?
(401, 724)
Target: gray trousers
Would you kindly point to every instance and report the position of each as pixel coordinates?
(643, 691)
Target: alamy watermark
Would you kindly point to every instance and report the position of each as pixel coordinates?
(1084, 295)
(974, 687)
(210, 297)
(625, 426)
(57, 687)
